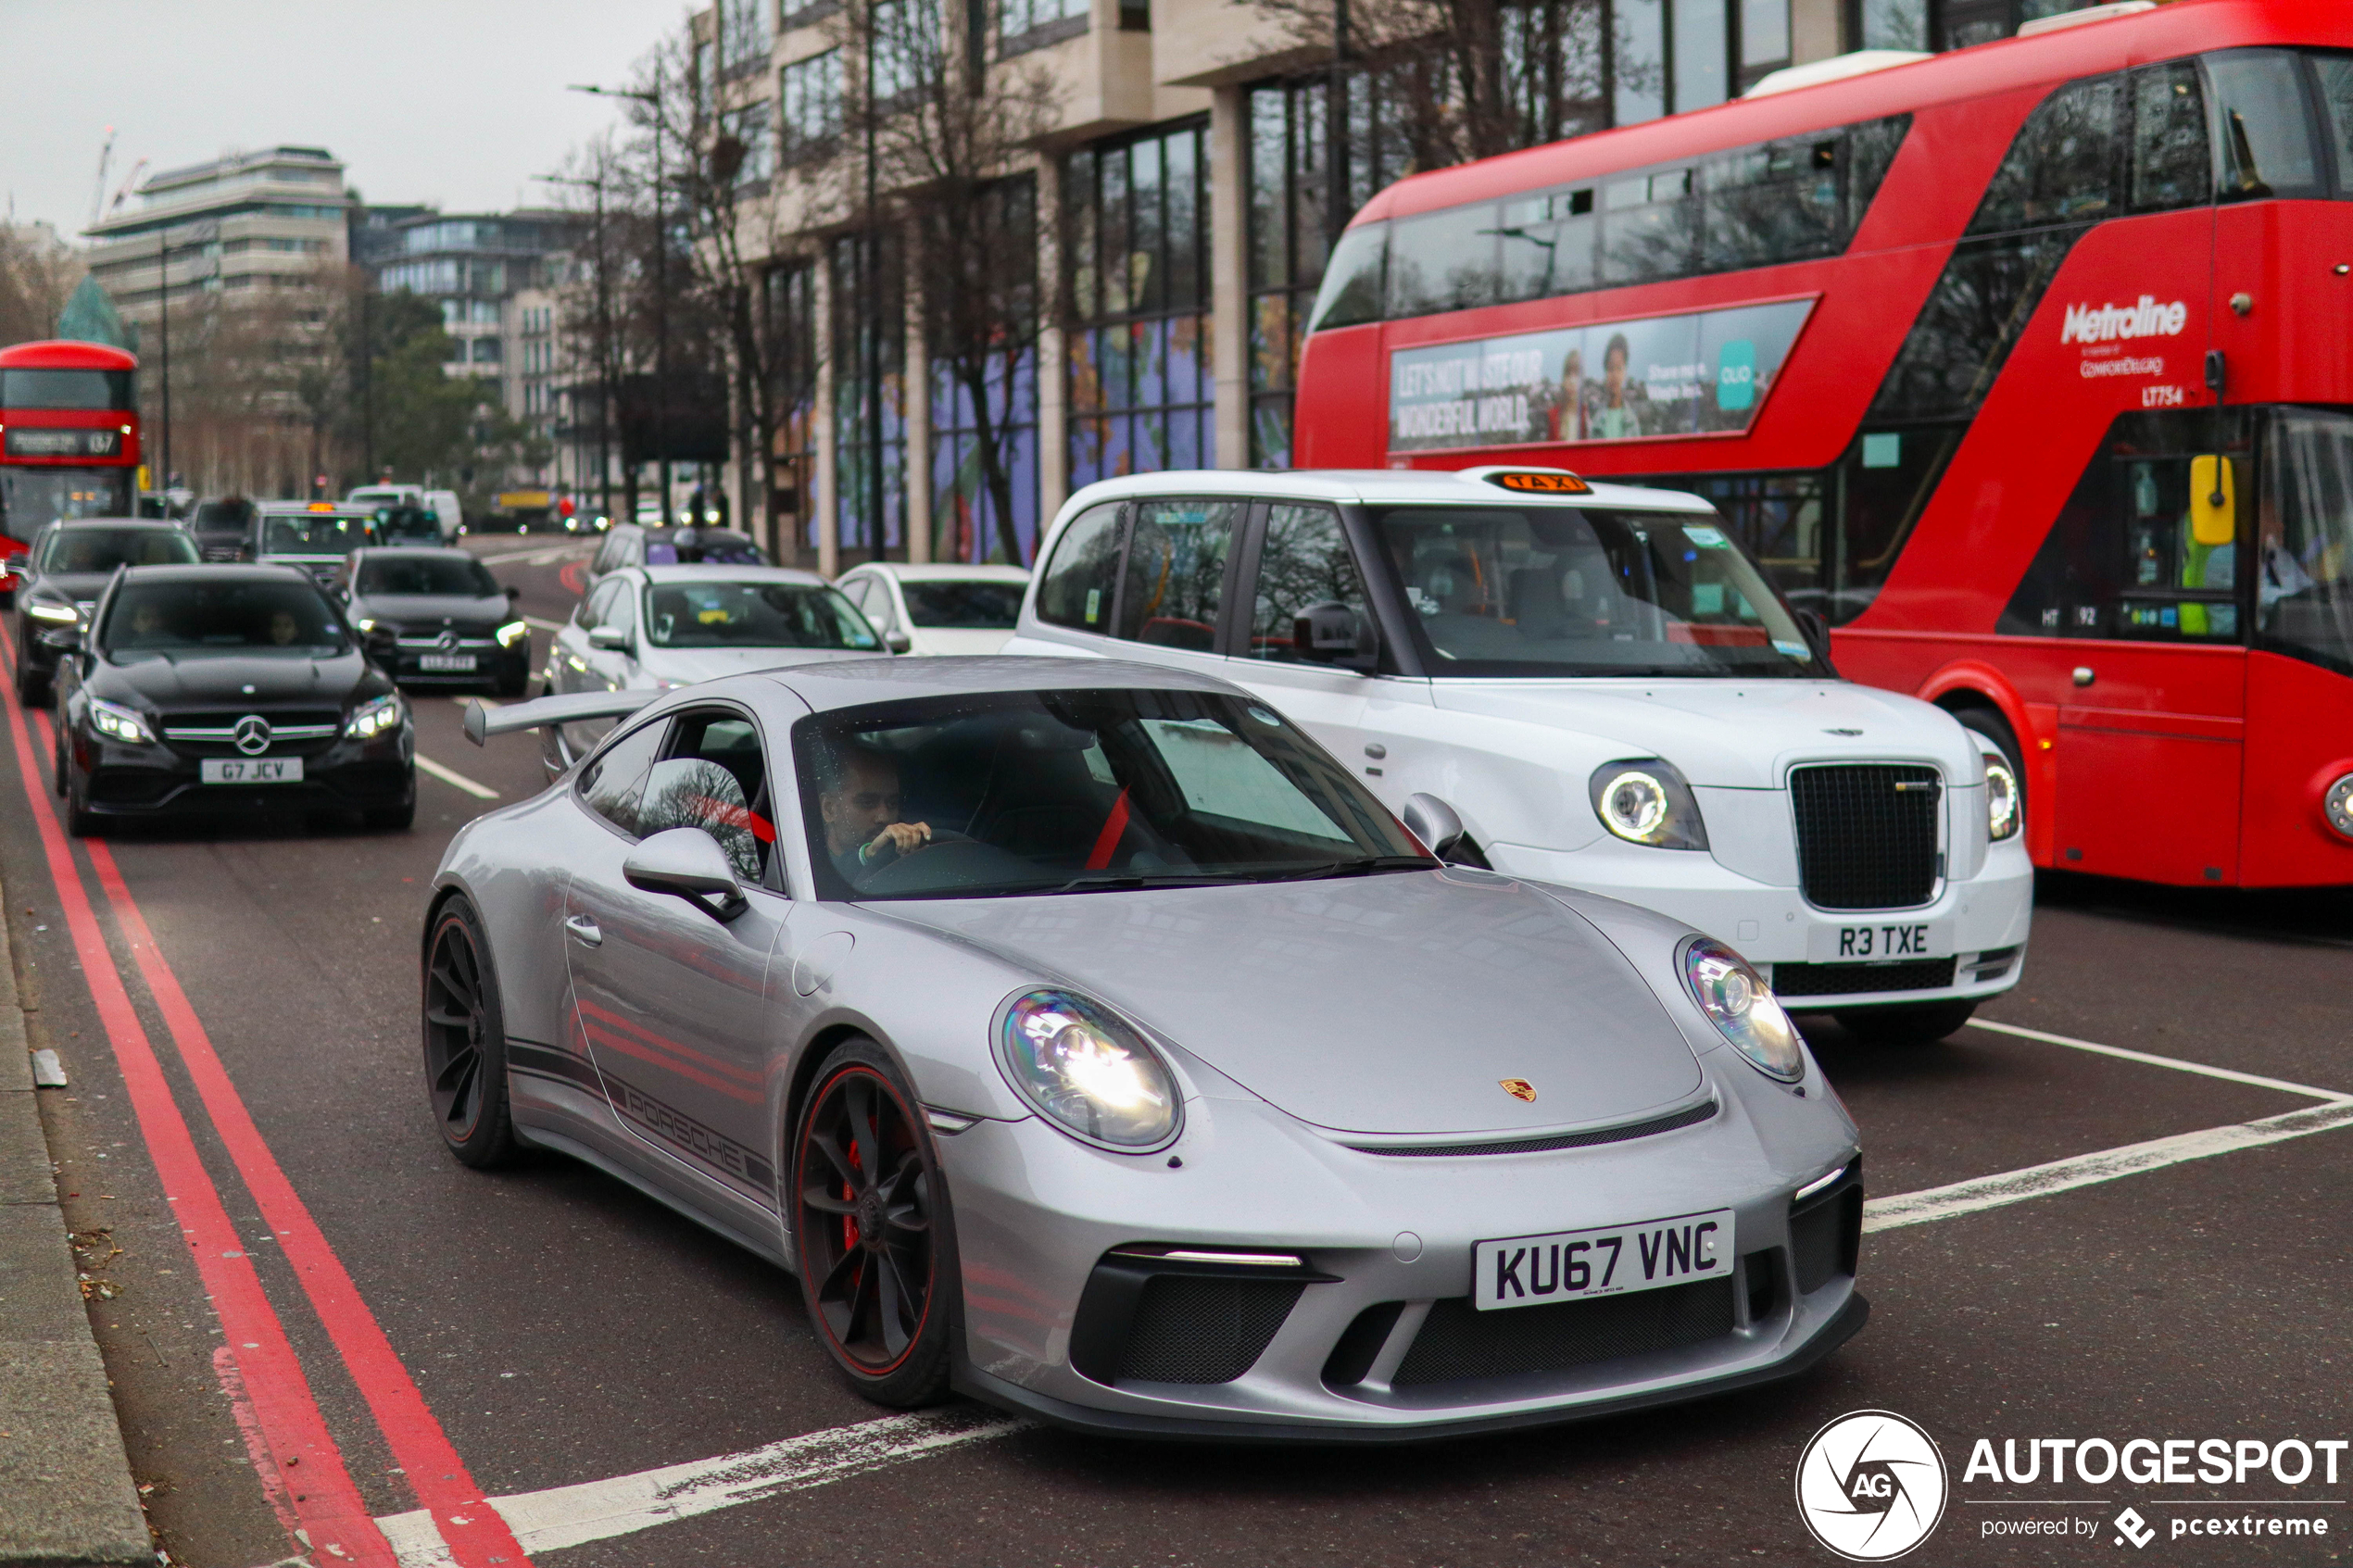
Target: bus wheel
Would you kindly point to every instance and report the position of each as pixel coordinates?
(1910, 1023)
(1989, 722)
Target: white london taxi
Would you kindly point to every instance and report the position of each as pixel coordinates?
(1583, 683)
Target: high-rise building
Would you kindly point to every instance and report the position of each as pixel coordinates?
(234, 228)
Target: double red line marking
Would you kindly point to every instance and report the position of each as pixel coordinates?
(311, 1469)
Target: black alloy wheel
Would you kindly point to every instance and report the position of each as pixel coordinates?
(32, 685)
(870, 1229)
(466, 1041)
(81, 821)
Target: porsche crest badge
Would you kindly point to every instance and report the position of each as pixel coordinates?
(1518, 1088)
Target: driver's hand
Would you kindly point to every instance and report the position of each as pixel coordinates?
(898, 838)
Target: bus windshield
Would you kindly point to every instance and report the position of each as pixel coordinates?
(64, 389)
(1562, 591)
(2304, 569)
(30, 498)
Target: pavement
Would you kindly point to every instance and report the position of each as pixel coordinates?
(67, 1496)
(2114, 1209)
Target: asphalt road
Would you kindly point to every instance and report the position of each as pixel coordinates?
(562, 1330)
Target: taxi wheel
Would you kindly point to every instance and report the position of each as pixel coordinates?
(871, 1230)
(1912, 1023)
(465, 1042)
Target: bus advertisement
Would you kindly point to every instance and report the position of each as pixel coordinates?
(68, 438)
(2026, 366)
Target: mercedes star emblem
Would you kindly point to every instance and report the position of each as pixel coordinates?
(252, 735)
(448, 641)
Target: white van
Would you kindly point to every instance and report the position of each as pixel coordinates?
(1587, 684)
(453, 515)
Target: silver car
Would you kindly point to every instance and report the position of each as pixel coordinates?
(1090, 1041)
(655, 627)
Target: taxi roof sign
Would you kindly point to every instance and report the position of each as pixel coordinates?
(320, 507)
(1539, 481)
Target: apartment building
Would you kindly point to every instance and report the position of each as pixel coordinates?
(1176, 203)
(228, 230)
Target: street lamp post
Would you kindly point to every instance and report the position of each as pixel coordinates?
(652, 98)
(163, 305)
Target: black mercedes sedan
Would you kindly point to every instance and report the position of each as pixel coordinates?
(438, 617)
(212, 690)
(66, 571)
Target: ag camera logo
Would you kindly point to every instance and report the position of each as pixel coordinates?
(1871, 1486)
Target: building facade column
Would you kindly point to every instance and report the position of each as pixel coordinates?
(917, 393)
(1053, 396)
(1228, 288)
(823, 488)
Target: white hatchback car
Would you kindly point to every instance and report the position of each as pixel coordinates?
(946, 610)
(655, 627)
(1585, 684)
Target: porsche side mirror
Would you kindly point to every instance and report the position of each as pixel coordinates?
(1331, 632)
(612, 639)
(898, 641)
(687, 863)
(1433, 822)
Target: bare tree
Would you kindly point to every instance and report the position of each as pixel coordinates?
(38, 272)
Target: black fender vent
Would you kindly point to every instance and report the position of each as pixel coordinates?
(1457, 1342)
(1144, 1319)
(1826, 1232)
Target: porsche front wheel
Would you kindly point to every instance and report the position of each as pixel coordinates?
(870, 1228)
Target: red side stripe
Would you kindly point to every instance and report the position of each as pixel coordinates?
(1114, 826)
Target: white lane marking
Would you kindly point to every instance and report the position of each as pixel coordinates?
(2087, 1169)
(451, 776)
(595, 1510)
(2176, 1063)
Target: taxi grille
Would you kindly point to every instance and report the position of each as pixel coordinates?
(1457, 1342)
(1865, 834)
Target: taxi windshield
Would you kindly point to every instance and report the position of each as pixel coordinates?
(1077, 791)
(103, 549)
(186, 617)
(1567, 591)
(314, 533)
(754, 615)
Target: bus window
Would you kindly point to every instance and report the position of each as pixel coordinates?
(2260, 125)
(1650, 227)
(64, 389)
(2335, 75)
(2062, 166)
(1548, 244)
(2170, 167)
(1776, 202)
(2304, 546)
(1352, 283)
(1442, 261)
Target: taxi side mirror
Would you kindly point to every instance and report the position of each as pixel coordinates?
(1332, 632)
(611, 639)
(2213, 501)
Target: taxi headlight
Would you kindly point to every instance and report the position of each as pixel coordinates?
(513, 633)
(1647, 802)
(1744, 1009)
(2004, 815)
(376, 717)
(117, 723)
(1092, 1075)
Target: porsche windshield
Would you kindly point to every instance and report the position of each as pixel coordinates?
(1562, 591)
(1077, 791)
(181, 617)
(754, 615)
(313, 533)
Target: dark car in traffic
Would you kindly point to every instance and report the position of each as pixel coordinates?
(223, 527)
(222, 691)
(63, 574)
(316, 536)
(415, 527)
(437, 616)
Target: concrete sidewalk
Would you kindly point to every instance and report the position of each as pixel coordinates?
(66, 1500)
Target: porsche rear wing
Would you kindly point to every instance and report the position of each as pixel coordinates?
(483, 720)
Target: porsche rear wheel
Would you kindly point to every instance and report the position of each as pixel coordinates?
(465, 1042)
(870, 1228)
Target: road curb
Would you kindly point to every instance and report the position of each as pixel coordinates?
(67, 1499)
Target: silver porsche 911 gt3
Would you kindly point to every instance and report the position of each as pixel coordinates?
(1088, 1040)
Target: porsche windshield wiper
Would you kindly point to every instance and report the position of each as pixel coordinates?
(1119, 881)
(1360, 867)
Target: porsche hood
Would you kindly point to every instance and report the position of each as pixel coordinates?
(1425, 1002)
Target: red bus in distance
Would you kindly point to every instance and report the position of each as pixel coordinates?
(2026, 366)
(68, 438)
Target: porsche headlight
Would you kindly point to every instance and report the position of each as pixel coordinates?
(117, 723)
(1091, 1074)
(2003, 814)
(1742, 1007)
(376, 717)
(513, 633)
(1647, 802)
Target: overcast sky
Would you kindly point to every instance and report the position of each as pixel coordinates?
(453, 102)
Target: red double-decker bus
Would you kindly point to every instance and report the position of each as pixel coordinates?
(2028, 367)
(68, 438)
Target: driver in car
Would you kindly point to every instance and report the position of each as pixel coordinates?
(860, 805)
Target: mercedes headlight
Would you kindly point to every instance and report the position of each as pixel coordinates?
(117, 723)
(1647, 802)
(2003, 806)
(366, 624)
(52, 614)
(1091, 1074)
(513, 633)
(1742, 1007)
(376, 717)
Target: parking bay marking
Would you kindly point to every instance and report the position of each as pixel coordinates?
(451, 776)
(575, 1516)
